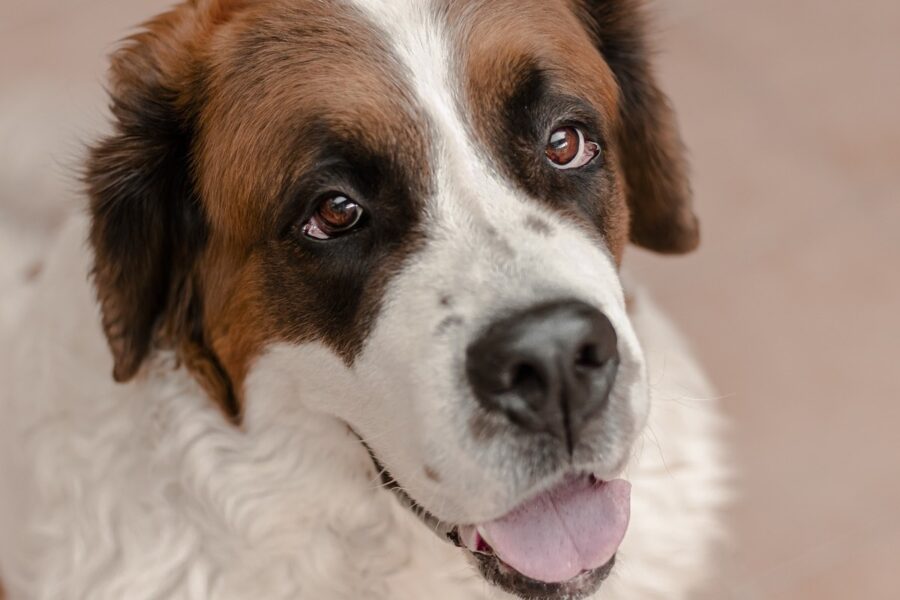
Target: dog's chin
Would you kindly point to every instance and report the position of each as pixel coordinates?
(559, 543)
(473, 542)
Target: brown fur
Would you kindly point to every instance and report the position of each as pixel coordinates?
(222, 112)
(652, 154)
(595, 50)
(147, 226)
(505, 40)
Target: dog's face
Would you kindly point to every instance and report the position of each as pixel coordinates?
(407, 215)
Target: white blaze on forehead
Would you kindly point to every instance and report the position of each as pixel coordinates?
(424, 46)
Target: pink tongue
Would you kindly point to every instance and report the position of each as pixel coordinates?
(575, 527)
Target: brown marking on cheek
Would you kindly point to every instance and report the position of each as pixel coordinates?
(213, 327)
(235, 325)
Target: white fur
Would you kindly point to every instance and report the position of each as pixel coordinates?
(144, 491)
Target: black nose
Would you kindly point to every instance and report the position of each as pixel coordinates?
(547, 369)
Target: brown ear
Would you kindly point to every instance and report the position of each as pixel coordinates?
(652, 154)
(146, 222)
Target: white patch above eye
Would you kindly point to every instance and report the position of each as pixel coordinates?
(421, 42)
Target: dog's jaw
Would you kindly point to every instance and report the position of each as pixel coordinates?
(490, 565)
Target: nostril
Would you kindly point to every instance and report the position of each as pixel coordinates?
(525, 379)
(588, 357)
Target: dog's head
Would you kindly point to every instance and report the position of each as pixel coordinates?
(410, 215)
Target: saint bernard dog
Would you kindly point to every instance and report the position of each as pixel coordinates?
(344, 318)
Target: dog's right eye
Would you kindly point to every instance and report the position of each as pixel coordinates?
(568, 148)
(335, 215)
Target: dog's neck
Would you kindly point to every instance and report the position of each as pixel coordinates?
(290, 483)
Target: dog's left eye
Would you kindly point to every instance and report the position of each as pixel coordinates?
(335, 215)
(568, 148)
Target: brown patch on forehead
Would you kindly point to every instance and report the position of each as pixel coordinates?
(509, 45)
(283, 80)
(499, 37)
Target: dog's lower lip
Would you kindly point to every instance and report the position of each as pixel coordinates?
(579, 587)
(532, 540)
(483, 548)
(489, 553)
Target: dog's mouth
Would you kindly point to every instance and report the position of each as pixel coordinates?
(572, 528)
(559, 544)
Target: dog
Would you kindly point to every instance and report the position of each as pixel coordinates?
(345, 318)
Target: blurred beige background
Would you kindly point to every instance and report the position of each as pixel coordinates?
(792, 114)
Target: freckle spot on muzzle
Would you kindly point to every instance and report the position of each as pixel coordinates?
(503, 247)
(449, 323)
(538, 225)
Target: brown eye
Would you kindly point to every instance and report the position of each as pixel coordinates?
(334, 216)
(568, 149)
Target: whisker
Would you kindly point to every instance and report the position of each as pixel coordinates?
(662, 455)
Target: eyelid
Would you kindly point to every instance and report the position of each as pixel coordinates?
(581, 121)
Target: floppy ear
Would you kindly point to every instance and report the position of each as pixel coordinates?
(652, 154)
(147, 225)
